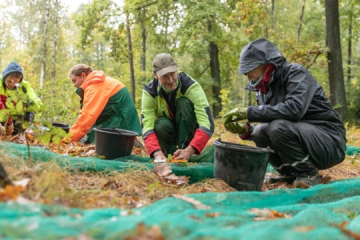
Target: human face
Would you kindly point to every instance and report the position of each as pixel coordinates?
(168, 81)
(256, 73)
(78, 80)
(12, 79)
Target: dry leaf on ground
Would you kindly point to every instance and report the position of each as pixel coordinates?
(162, 170)
(267, 214)
(352, 234)
(174, 160)
(304, 228)
(196, 203)
(154, 233)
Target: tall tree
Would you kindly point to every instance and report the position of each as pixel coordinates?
(55, 36)
(44, 43)
(215, 71)
(300, 21)
(335, 67)
(131, 60)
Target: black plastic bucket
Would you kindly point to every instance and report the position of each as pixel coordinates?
(242, 167)
(112, 143)
(63, 126)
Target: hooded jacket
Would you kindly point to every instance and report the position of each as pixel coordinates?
(25, 86)
(155, 105)
(293, 93)
(105, 102)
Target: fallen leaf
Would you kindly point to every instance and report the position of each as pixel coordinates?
(212, 215)
(23, 182)
(154, 233)
(10, 192)
(267, 214)
(111, 185)
(352, 234)
(162, 170)
(182, 180)
(196, 203)
(304, 228)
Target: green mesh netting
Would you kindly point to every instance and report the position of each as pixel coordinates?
(197, 172)
(351, 150)
(314, 211)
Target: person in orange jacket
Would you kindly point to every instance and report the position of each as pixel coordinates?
(105, 103)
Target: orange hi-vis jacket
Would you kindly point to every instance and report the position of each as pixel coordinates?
(97, 90)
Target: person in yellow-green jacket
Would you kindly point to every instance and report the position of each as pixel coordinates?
(12, 80)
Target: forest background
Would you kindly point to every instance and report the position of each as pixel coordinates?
(205, 37)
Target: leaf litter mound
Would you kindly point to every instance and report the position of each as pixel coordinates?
(138, 187)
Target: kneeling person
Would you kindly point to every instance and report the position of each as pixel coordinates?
(105, 103)
(175, 113)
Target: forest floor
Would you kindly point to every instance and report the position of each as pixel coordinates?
(51, 184)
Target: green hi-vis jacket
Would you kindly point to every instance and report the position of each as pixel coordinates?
(25, 87)
(156, 103)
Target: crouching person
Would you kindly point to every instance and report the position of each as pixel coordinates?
(296, 119)
(105, 103)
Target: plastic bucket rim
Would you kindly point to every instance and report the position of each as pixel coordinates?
(245, 148)
(60, 125)
(116, 131)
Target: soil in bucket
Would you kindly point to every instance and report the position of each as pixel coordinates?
(64, 126)
(242, 167)
(112, 143)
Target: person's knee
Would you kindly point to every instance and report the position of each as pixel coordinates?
(258, 131)
(163, 128)
(184, 103)
(279, 128)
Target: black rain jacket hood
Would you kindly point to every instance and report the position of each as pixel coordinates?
(260, 51)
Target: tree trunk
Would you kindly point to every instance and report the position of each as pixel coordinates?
(43, 60)
(300, 21)
(272, 13)
(349, 50)
(215, 74)
(266, 24)
(335, 68)
(131, 62)
(53, 72)
(143, 45)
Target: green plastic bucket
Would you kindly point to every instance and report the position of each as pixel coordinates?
(242, 167)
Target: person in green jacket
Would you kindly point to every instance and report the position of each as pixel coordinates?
(12, 80)
(175, 113)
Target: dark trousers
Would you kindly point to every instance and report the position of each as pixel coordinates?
(300, 148)
(179, 133)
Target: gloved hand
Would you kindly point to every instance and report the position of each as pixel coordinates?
(238, 128)
(237, 114)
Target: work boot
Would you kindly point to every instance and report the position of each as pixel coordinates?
(281, 178)
(306, 182)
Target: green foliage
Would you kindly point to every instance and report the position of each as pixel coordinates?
(225, 101)
(97, 36)
(154, 186)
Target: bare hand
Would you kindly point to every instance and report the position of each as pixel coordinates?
(9, 129)
(184, 153)
(159, 156)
